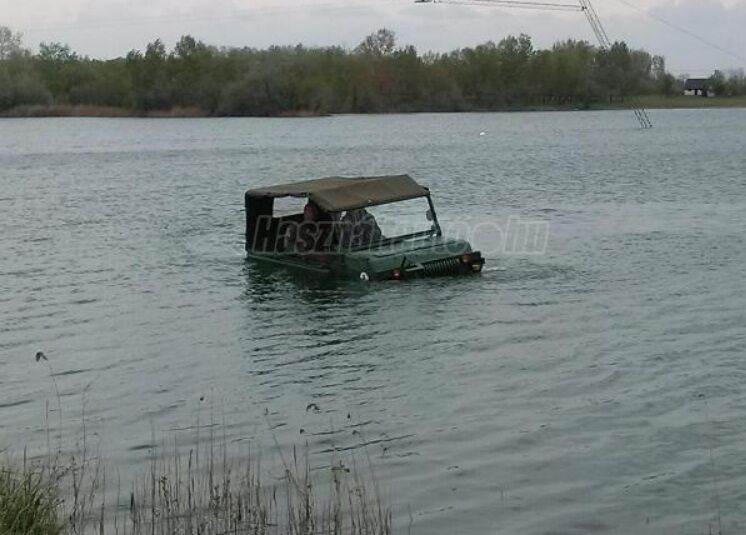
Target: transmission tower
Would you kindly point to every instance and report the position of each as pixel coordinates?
(605, 42)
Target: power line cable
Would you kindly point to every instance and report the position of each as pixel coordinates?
(519, 4)
(683, 30)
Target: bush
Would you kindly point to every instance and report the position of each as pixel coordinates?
(21, 88)
(28, 503)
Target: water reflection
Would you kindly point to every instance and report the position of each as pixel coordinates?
(268, 282)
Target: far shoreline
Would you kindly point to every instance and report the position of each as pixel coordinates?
(87, 111)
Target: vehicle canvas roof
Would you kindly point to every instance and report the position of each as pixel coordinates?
(335, 194)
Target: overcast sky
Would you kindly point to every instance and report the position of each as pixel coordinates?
(110, 28)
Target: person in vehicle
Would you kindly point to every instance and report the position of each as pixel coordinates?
(359, 229)
(309, 234)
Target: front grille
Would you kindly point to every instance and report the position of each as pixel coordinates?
(447, 266)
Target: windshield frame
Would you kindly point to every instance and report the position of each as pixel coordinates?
(434, 231)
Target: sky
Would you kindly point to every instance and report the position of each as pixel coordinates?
(695, 36)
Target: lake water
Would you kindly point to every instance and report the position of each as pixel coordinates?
(599, 387)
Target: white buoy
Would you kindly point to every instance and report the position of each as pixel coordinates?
(482, 133)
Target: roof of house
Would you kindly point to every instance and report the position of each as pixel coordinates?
(335, 194)
(696, 83)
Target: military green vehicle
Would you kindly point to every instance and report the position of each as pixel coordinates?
(372, 228)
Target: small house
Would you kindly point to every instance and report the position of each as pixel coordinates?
(698, 87)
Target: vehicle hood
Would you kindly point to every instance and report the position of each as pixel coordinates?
(408, 253)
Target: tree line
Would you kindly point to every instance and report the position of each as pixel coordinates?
(376, 76)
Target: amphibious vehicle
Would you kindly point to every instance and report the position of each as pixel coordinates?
(372, 228)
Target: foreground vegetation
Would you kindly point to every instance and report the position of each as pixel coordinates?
(205, 490)
(180, 496)
(28, 502)
(195, 79)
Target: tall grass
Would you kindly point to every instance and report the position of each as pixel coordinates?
(28, 501)
(204, 490)
(230, 496)
(208, 494)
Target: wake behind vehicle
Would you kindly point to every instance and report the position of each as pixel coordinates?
(377, 228)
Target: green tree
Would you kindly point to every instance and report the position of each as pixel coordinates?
(375, 76)
(10, 44)
(60, 69)
(150, 81)
(20, 83)
(664, 82)
(718, 83)
(736, 83)
(381, 43)
(193, 72)
(570, 72)
(56, 53)
(514, 55)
